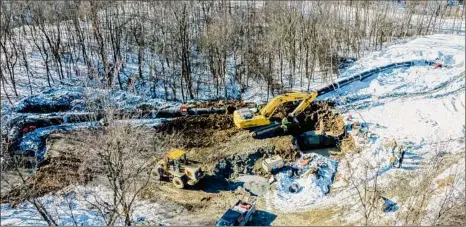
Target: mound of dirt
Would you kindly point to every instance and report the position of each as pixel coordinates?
(221, 103)
(250, 161)
(321, 116)
(201, 130)
(52, 176)
(347, 144)
(284, 109)
(317, 117)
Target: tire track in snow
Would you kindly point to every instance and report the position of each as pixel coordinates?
(363, 102)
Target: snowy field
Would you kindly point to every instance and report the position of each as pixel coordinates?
(421, 107)
(78, 207)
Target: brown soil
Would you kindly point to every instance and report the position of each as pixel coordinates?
(221, 104)
(347, 144)
(321, 116)
(55, 174)
(206, 138)
(201, 130)
(284, 109)
(318, 116)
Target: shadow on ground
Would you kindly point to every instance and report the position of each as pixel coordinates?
(215, 184)
(262, 218)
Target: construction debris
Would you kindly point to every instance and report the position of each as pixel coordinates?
(273, 163)
(308, 179)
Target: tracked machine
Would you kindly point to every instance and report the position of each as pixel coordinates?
(259, 120)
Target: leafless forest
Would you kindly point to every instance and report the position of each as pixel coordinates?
(200, 49)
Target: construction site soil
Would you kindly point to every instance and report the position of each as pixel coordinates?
(201, 130)
(221, 104)
(319, 116)
(214, 140)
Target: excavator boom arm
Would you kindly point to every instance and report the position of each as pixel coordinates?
(304, 104)
(306, 98)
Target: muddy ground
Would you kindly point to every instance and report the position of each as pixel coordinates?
(221, 103)
(319, 116)
(225, 151)
(65, 166)
(202, 130)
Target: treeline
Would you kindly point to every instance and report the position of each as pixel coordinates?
(200, 49)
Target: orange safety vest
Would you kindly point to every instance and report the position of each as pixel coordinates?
(392, 159)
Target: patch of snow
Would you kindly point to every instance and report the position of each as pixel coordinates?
(311, 187)
(75, 208)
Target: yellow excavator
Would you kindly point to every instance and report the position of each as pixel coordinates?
(259, 119)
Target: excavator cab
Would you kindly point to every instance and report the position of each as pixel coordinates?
(248, 118)
(259, 106)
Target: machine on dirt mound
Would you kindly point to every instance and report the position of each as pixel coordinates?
(175, 166)
(260, 120)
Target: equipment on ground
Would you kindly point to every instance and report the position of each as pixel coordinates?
(273, 163)
(246, 118)
(176, 167)
(312, 140)
(240, 214)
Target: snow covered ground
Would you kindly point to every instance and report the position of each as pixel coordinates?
(77, 208)
(311, 187)
(420, 107)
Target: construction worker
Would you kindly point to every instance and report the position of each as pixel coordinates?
(285, 124)
(400, 161)
(291, 125)
(176, 165)
(392, 160)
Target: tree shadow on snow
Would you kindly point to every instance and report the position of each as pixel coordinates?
(409, 167)
(384, 170)
(413, 157)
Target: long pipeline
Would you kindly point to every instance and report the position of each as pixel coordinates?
(361, 76)
(273, 130)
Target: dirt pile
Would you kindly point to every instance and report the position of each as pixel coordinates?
(55, 174)
(347, 144)
(239, 164)
(201, 130)
(220, 104)
(321, 116)
(284, 109)
(317, 117)
(250, 162)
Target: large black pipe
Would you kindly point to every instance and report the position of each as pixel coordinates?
(176, 112)
(345, 81)
(274, 130)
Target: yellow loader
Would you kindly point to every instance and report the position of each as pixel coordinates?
(176, 167)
